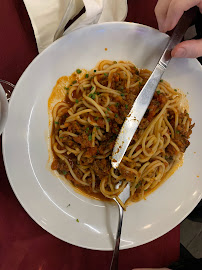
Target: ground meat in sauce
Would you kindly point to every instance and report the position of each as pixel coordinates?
(83, 140)
(182, 143)
(73, 127)
(130, 98)
(170, 150)
(126, 173)
(67, 140)
(86, 160)
(101, 167)
(116, 115)
(90, 152)
(144, 123)
(60, 166)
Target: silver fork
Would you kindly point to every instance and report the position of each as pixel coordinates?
(123, 196)
(8, 88)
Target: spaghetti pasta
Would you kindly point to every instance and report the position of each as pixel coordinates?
(87, 122)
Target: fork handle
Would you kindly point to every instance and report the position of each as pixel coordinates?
(115, 257)
(7, 91)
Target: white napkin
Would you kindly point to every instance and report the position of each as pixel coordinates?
(47, 15)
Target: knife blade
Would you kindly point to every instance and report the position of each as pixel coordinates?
(144, 98)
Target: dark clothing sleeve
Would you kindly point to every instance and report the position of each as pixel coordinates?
(186, 261)
(187, 264)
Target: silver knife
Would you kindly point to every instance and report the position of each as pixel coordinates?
(144, 98)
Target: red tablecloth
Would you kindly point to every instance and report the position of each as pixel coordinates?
(23, 244)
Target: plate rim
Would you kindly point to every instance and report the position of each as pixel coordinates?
(148, 28)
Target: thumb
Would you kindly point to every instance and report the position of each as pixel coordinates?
(188, 49)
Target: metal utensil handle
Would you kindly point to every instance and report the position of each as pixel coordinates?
(179, 31)
(143, 100)
(60, 30)
(7, 91)
(115, 257)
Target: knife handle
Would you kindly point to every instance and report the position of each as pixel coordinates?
(178, 33)
(143, 100)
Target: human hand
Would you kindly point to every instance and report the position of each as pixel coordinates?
(168, 13)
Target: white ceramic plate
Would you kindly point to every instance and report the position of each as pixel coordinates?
(44, 196)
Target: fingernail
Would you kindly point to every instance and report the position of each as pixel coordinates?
(181, 52)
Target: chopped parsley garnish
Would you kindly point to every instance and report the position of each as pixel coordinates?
(137, 72)
(87, 75)
(175, 90)
(78, 71)
(92, 87)
(74, 82)
(108, 119)
(77, 101)
(66, 88)
(56, 123)
(126, 106)
(64, 172)
(161, 80)
(92, 96)
(177, 131)
(116, 115)
(96, 118)
(97, 128)
(138, 185)
(122, 94)
(87, 129)
(77, 220)
(140, 83)
(108, 108)
(90, 137)
(158, 92)
(117, 104)
(105, 74)
(116, 130)
(98, 93)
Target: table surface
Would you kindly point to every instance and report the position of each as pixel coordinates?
(24, 244)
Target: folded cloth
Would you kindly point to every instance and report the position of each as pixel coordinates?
(49, 17)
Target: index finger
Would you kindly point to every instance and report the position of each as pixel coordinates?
(175, 11)
(161, 12)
